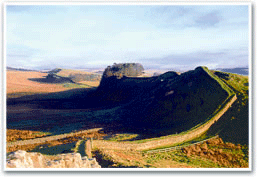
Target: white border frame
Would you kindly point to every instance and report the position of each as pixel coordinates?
(249, 4)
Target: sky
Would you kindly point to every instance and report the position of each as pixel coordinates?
(174, 37)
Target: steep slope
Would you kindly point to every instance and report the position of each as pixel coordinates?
(167, 102)
(186, 101)
(234, 125)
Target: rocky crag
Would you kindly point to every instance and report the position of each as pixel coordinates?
(23, 159)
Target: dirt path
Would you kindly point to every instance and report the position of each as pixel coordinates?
(49, 138)
(169, 140)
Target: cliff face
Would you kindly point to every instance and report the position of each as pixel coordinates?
(124, 69)
(166, 101)
(116, 72)
(23, 159)
(120, 84)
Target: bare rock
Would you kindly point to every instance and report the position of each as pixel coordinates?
(23, 159)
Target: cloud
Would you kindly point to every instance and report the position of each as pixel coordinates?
(17, 8)
(182, 62)
(171, 12)
(208, 20)
(18, 55)
(175, 16)
(102, 35)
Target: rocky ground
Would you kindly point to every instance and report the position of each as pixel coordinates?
(23, 159)
(216, 150)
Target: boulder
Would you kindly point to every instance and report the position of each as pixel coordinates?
(23, 159)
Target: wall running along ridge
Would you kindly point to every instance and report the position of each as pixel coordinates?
(182, 137)
(49, 138)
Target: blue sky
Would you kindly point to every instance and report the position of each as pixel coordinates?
(178, 37)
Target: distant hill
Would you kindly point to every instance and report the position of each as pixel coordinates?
(70, 75)
(242, 71)
(18, 69)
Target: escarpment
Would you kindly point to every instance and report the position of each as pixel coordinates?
(166, 101)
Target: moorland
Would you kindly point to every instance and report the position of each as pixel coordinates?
(195, 119)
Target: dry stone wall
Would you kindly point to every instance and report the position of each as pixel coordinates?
(102, 144)
(23, 159)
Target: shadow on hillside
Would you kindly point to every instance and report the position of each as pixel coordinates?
(54, 150)
(78, 98)
(59, 112)
(49, 80)
(62, 95)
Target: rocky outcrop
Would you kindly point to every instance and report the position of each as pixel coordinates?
(123, 69)
(23, 159)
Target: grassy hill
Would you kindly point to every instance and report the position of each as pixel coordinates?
(234, 125)
(70, 75)
(176, 103)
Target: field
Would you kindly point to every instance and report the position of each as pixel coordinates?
(18, 84)
(51, 118)
(22, 83)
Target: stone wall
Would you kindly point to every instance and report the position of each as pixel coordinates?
(170, 140)
(23, 159)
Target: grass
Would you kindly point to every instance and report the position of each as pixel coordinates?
(67, 72)
(186, 143)
(90, 83)
(222, 84)
(82, 148)
(42, 133)
(76, 148)
(210, 118)
(175, 159)
(13, 135)
(178, 157)
(233, 126)
(19, 84)
(123, 137)
(227, 158)
(73, 85)
(55, 150)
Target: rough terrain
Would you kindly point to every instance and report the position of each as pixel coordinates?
(23, 159)
(145, 114)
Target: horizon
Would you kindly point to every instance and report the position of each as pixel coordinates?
(178, 37)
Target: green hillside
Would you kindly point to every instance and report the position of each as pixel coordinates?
(233, 126)
(178, 103)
